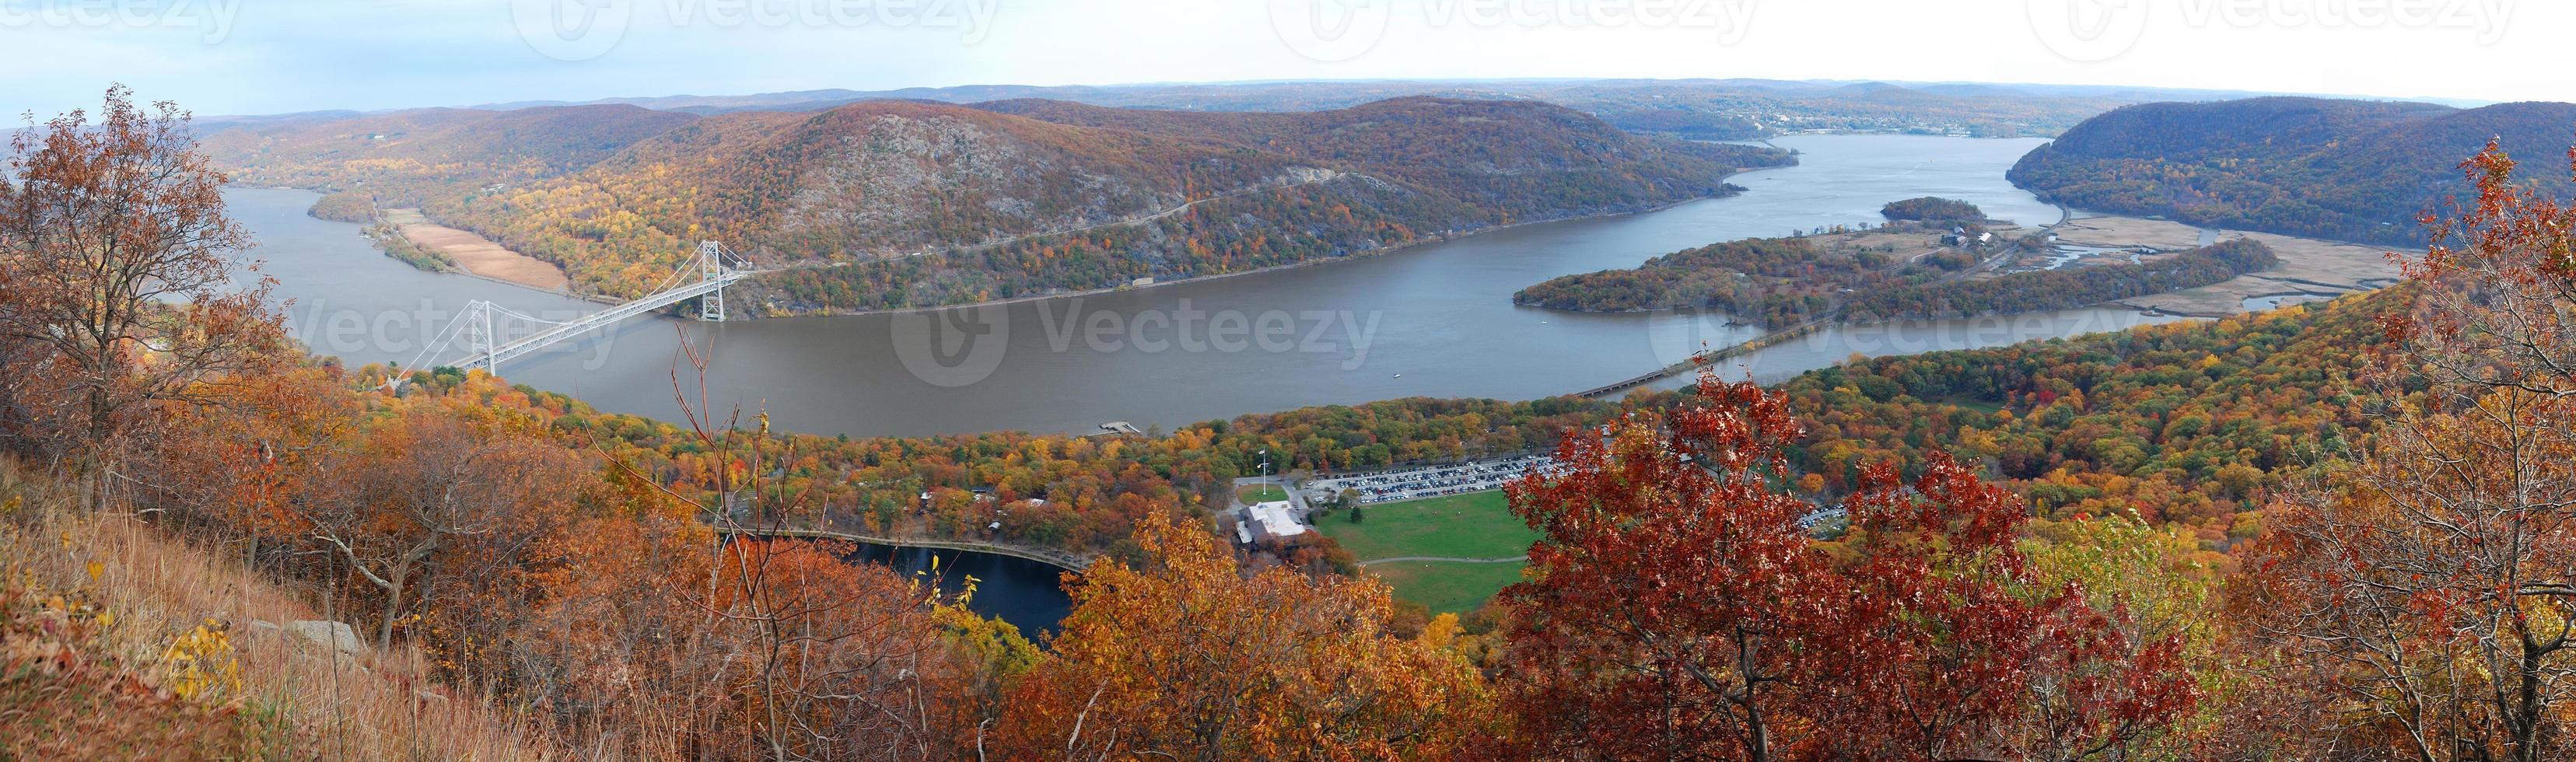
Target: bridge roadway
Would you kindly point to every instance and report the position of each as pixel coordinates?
(1685, 366)
(647, 303)
(1059, 559)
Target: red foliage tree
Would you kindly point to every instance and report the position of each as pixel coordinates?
(1666, 599)
(1678, 608)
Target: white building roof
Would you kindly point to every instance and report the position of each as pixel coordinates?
(1275, 519)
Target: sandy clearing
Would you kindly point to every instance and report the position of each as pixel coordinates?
(2308, 266)
(2115, 232)
(478, 255)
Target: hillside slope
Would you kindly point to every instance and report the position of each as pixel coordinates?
(405, 158)
(2187, 423)
(120, 639)
(1512, 158)
(894, 203)
(2347, 170)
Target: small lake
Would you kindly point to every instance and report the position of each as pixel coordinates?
(1435, 320)
(1025, 593)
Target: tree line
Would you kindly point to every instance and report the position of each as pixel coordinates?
(2065, 288)
(1712, 580)
(2336, 169)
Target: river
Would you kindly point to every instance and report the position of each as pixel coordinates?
(1433, 320)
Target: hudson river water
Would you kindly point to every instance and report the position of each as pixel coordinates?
(1433, 320)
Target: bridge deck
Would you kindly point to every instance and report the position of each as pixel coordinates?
(595, 320)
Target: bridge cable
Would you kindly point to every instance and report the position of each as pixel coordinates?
(439, 341)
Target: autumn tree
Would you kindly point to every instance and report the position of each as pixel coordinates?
(620, 650)
(433, 488)
(1946, 644)
(1677, 607)
(1189, 657)
(118, 285)
(2420, 601)
(1664, 600)
(828, 659)
(241, 467)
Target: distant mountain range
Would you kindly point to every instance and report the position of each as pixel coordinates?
(1717, 109)
(2350, 170)
(911, 203)
(406, 158)
(1701, 109)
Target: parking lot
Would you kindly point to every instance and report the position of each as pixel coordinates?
(1427, 481)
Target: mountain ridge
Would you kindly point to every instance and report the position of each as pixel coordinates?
(2348, 170)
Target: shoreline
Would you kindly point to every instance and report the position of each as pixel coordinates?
(476, 255)
(1380, 252)
(461, 269)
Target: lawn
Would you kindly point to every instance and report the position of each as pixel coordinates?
(1260, 493)
(1970, 402)
(1473, 525)
(1447, 586)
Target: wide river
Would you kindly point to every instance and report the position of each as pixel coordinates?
(1433, 320)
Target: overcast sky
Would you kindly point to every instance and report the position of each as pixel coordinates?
(268, 56)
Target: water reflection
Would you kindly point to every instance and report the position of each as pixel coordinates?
(1433, 321)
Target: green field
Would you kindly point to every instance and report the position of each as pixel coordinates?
(1473, 525)
(1260, 493)
(1447, 586)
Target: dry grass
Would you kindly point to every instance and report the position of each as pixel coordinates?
(478, 255)
(375, 705)
(2307, 265)
(2111, 231)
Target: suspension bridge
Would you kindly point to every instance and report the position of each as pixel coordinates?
(477, 331)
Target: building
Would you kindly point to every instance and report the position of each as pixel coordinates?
(1267, 521)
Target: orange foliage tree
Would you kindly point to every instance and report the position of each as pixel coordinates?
(1189, 657)
(2420, 602)
(117, 278)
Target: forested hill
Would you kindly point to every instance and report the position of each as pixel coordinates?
(2186, 423)
(1515, 158)
(907, 203)
(2340, 169)
(405, 158)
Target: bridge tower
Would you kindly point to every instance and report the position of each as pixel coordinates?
(711, 308)
(485, 340)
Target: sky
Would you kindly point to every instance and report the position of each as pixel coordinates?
(275, 56)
